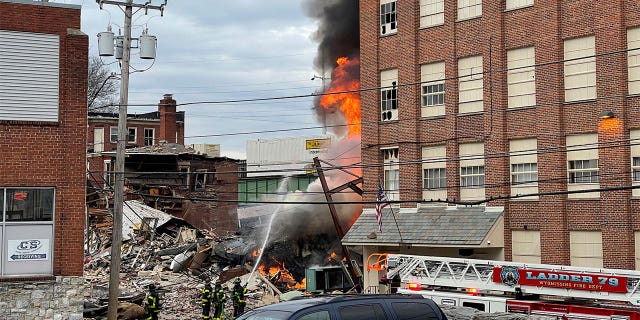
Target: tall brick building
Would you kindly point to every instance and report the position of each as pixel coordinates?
(43, 120)
(501, 101)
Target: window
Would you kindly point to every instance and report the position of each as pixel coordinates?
(586, 248)
(521, 82)
(388, 17)
(30, 76)
(26, 230)
(362, 311)
(316, 315)
(472, 176)
(470, 84)
(434, 169)
(432, 89)
(133, 133)
(431, 13)
(634, 136)
(633, 58)
(526, 246)
(579, 69)
(515, 4)
(389, 95)
(523, 158)
(583, 171)
(522, 173)
(582, 165)
(200, 179)
(468, 9)
(414, 311)
(391, 173)
(109, 174)
(471, 171)
(149, 136)
(435, 178)
(131, 136)
(98, 139)
(113, 134)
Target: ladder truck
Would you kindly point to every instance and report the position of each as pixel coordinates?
(560, 292)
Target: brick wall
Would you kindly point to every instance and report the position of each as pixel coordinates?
(544, 25)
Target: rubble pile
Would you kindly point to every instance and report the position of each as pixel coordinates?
(163, 250)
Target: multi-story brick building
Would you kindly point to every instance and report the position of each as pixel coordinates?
(494, 100)
(43, 116)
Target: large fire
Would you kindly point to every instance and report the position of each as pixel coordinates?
(345, 94)
(278, 273)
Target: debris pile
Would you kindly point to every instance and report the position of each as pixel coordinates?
(166, 251)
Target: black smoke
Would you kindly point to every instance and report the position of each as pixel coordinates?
(338, 33)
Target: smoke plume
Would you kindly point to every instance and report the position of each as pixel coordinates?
(338, 35)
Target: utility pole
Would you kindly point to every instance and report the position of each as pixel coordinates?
(116, 242)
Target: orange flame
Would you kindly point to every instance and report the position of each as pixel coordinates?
(345, 94)
(255, 253)
(280, 274)
(332, 256)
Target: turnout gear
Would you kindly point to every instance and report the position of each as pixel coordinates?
(238, 298)
(207, 292)
(152, 304)
(219, 298)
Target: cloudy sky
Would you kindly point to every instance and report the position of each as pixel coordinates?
(222, 50)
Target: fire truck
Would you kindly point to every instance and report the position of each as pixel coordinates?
(560, 292)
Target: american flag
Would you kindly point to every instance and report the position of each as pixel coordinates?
(381, 202)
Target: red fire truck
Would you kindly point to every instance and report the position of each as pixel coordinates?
(563, 292)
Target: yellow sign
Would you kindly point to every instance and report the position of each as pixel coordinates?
(318, 144)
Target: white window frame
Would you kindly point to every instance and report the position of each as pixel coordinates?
(432, 77)
(391, 159)
(388, 17)
(527, 170)
(113, 132)
(633, 60)
(580, 69)
(635, 169)
(470, 84)
(434, 178)
(582, 170)
(129, 134)
(200, 179)
(518, 4)
(469, 9)
(431, 13)
(389, 95)
(108, 175)
(521, 80)
(472, 176)
(582, 156)
(27, 230)
(634, 141)
(152, 138)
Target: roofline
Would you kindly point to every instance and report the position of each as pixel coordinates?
(45, 4)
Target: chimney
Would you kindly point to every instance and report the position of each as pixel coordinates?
(168, 127)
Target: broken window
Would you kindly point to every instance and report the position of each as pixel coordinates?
(200, 181)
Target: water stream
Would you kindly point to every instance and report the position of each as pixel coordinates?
(282, 192)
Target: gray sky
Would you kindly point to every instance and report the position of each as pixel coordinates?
(212, 50)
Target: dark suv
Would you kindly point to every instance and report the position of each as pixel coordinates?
(351, 307)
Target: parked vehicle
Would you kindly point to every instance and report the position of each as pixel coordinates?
(351, 307)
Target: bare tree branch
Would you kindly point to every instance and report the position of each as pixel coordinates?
(102, 87)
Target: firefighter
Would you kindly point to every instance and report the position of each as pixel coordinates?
(152, 304)
(206, 301)
(238, 298)
(219, 298)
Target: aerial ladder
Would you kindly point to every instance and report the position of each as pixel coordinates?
(518, 282)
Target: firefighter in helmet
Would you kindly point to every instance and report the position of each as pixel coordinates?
(219, 298)
(238, 298)
(152, 304)
(207, 292)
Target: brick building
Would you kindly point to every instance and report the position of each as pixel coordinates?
(495, 100)
(43, 108)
